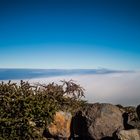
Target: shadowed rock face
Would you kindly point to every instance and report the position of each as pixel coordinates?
(138, 111)
(130, 117)
(127, 126)
(98, 121)
(79, 127)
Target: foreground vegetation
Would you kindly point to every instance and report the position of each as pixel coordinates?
(24, 106)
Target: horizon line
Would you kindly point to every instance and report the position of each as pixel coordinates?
(99, 68)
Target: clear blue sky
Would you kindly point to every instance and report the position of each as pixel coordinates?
(70, 34)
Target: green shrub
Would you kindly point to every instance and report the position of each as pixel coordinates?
(25, 107)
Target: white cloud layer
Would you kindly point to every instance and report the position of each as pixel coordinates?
(117, 88)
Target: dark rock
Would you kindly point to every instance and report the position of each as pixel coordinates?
(130, 115)
(98, 121)
(127, 126)
(79, 128)
(138, 111)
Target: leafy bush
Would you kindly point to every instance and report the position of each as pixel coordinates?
(25, 107)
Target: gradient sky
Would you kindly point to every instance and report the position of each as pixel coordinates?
(70, 34)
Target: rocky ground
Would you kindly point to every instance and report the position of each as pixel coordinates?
(96, 122)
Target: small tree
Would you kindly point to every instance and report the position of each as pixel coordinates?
(24, 104)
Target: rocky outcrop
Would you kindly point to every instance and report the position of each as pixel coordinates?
(97, 121)
(130, 116)
(60, 127)
(130, 110)
(94, 122)
(133, 134)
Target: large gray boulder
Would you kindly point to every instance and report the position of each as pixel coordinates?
(97, 121)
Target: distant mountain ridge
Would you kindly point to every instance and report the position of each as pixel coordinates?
(12, 74)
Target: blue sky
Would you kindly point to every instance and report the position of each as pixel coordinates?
(70, 34)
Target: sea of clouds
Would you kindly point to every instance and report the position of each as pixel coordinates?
(117, 88)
